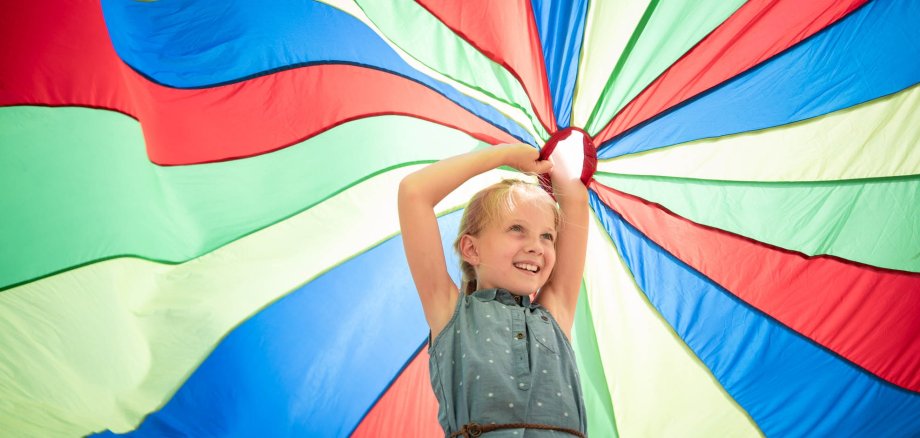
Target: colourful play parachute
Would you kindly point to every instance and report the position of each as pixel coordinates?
(198, 233)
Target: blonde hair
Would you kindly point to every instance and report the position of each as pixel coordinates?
(490, 205)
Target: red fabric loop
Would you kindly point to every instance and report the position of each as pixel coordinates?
(589, 165)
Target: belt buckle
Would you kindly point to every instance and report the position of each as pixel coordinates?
(474, 429)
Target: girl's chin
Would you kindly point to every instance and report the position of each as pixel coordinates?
(523, 291)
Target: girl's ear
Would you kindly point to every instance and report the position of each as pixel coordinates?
(468, 251)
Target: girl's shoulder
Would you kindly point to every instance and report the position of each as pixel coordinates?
(474, 314)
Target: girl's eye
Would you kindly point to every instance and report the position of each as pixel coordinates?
(548, 236)
(515, 228)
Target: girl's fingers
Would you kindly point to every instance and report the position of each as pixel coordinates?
(543, 166)
(526, 158)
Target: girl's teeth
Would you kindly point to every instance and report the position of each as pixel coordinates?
(527, 267)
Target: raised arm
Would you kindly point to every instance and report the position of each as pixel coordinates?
(419, 192)
(560, 293)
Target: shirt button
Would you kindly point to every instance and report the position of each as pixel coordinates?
(544, 318)
(519, 335)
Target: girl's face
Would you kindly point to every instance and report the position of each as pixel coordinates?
(516, 252)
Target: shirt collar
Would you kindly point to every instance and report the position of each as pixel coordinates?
(502, 296)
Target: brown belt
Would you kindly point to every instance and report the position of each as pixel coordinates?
(473, 430)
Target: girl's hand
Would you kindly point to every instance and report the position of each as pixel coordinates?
(525, 158)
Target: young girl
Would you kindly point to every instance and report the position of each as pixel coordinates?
(500, 362)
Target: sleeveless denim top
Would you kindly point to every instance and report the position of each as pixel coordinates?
(500, 361)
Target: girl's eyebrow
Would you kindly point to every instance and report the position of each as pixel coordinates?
(525, 222)
(517, 220)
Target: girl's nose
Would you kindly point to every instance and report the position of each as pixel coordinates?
(533, 246)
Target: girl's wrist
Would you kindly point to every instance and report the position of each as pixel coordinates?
(501, 155)
(498, 155)
(517, 155)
